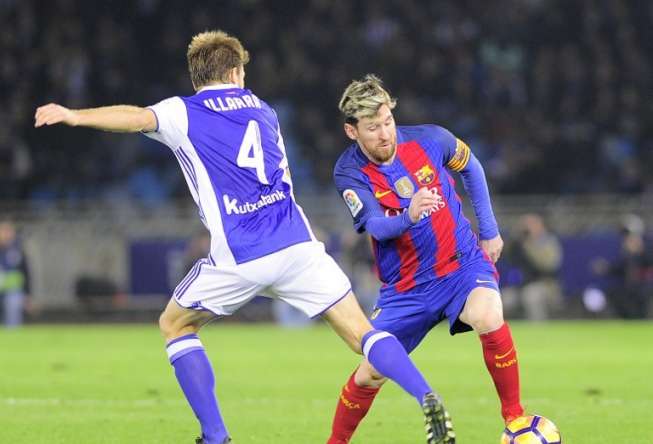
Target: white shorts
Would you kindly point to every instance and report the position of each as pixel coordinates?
(303, 275)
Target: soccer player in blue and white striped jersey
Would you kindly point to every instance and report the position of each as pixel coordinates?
(229, 146)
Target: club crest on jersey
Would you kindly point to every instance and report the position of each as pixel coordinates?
(425, 175)
(354, 203)
(405, 187)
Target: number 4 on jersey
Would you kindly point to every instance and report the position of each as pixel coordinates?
(250, 154)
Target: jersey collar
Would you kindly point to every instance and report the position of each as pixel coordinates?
(218, 86)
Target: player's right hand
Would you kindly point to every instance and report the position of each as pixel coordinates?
(52, 114)
(422, 201)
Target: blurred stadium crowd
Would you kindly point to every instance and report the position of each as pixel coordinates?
(553, 96)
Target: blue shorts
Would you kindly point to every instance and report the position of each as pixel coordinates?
(412, 314)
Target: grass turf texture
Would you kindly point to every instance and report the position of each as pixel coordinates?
(113, 384)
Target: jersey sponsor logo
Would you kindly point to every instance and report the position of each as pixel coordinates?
(440, 203)
(354, 203)
(379, 194)
(233, 207)
(425, 175)
(405, 187)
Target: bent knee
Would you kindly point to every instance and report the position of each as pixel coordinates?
(166, 325)
(483, 311)
(173, 325)
(486, 320)
(490, 322)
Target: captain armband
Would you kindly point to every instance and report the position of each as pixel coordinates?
(460, 158)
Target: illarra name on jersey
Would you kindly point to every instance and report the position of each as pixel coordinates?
(232, 103)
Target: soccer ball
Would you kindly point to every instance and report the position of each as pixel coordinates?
(531, 430)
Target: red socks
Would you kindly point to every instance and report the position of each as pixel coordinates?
(501, 361)
(353, 405)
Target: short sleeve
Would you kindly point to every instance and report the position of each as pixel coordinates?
(171, 122)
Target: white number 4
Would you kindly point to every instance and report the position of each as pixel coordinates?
(250, 154)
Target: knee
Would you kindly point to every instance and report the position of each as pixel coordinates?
(483, 310)
(484, 317)
(171, 326)
(166, 325)
(488, 319)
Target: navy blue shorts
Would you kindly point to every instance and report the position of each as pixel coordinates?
(412, 314)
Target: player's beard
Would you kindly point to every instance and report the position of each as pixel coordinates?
(382, 154)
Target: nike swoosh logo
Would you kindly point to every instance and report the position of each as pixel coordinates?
(505, 354)
(478, 281)
(380, 194)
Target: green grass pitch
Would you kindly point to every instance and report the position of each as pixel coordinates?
(113, 384)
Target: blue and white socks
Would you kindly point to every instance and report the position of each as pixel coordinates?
(195, 376)
(389, 358)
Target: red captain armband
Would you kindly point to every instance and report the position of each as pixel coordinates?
(460, 158)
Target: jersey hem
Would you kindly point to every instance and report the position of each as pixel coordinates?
(273, 251)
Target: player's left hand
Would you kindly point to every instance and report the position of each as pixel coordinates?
(493, 247)
(52, 114)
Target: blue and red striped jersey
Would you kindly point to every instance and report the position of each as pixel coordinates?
(438, 243)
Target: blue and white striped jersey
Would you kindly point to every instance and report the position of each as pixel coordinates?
(230, 149)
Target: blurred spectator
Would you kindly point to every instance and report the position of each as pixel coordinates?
(553, 95)
(14, 276)
(630, 277)
(537, 255)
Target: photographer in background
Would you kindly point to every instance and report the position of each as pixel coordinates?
(537, 254)
(14, 277)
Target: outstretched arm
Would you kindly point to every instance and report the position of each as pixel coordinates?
(118, 118)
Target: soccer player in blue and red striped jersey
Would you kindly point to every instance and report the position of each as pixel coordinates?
(397, 184)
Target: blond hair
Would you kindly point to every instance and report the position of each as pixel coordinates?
(363, 98)
(211, 55)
